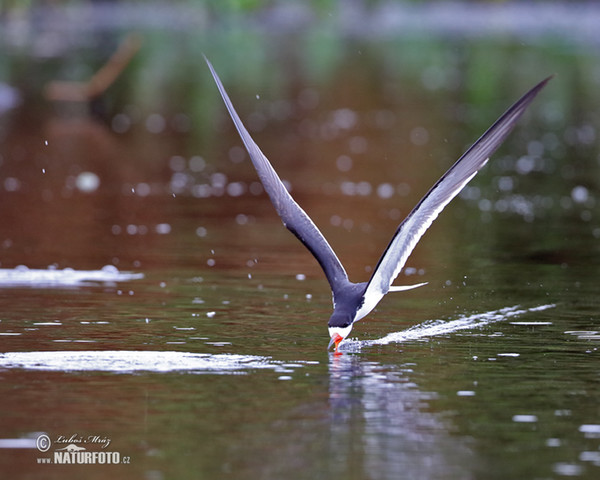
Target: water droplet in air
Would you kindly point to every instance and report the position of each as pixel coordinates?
(87, 182)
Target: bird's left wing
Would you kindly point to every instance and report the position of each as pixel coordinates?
(452, 182)
(292, 215)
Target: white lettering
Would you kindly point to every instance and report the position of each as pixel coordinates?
(83, 458)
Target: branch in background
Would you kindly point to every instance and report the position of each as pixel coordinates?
(100, 81)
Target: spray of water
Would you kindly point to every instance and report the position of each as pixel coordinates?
(434, 328)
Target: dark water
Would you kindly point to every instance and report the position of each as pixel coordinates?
(198, 351)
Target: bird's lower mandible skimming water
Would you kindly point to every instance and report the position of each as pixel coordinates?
(353, 301)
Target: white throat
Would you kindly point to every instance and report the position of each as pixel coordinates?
(341, 331)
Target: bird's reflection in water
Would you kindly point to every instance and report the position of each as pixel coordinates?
(381, 424)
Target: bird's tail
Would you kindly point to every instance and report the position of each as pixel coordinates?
(401, 288)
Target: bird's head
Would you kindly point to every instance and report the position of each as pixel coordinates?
(339, 326)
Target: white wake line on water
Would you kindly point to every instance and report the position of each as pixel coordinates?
(440, 327)
(128, 361)
(22, 276)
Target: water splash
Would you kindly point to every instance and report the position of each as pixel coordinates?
(128, 361)
(441, 327)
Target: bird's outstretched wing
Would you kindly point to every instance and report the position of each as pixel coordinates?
(292, 215)
(452, 182)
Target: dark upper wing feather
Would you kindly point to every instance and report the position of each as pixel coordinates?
(292, 215)
(452, 182)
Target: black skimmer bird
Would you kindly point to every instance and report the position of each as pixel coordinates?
(353, 301)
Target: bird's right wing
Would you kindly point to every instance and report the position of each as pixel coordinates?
(292, 215)
(452, 182)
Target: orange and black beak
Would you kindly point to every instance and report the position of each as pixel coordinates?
(335, 339)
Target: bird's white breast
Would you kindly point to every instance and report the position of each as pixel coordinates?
(370, 302)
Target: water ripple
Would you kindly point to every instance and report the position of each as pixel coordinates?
(127, 361)
(68, 277)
